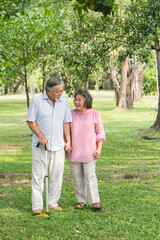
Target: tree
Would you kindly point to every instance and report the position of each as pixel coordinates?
(122, 97)
(37, 32)
(20, 54)
(142, 27)
(80, 52)
(108, 30)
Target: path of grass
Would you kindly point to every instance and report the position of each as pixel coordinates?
(128, 174)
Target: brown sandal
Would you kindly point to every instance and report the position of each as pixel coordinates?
(81, 206)
(97, 206)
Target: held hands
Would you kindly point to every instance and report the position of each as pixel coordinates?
(67, 147)
(97, 154)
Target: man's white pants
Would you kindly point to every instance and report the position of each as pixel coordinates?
(56, 169)
(85, 181)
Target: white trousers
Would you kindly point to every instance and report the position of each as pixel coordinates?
(56, 169)
(85, 181)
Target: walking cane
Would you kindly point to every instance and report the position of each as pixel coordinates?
(46, 177)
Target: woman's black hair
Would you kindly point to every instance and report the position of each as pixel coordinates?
(86, 95)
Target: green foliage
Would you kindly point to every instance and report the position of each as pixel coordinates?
(20, 53)
(80, 52)
(150, 80)
(10, 8)
(141, 26)
(28, 41)
(50, 35)
(104, 6)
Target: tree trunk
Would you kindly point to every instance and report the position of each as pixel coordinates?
(107, 82)
(114, 79)
(6, 90)
(12, 85)
(156, 125)
(129, 91)
(68, 83)
(134, 86)
(138, 83)
(97, 82)
(122, 100)
(18, 84)
(26, 87)
(44, 78)
(87, 85)
(87, 78)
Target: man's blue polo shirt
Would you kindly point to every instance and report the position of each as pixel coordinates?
(50, 120)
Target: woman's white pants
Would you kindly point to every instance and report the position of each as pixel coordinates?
(56, 169)
(85, 181)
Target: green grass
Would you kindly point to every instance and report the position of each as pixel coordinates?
(130, 206)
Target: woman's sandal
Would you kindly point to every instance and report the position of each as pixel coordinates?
(97, 206)
(81, 206)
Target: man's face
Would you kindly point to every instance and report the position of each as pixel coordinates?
(56, 92)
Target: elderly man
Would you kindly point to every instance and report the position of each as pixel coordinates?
(48, 117)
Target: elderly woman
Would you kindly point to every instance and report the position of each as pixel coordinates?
(87, 134)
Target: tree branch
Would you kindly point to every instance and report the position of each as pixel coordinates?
(66, 77)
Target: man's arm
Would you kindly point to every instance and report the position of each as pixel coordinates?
(34, 128)
(67, 135)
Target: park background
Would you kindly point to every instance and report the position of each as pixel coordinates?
(111, 48)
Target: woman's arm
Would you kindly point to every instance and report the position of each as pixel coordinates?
(97, 153)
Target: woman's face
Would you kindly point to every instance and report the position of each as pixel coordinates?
(79, 102)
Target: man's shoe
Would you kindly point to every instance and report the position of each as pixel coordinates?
(36, 211)
(57, 208)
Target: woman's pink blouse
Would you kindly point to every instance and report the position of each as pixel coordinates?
(86, 130)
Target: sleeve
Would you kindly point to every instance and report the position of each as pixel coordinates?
(32, 111)
(100, 133)
(68, 115)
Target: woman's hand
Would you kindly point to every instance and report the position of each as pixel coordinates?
(97, 153)
(67, 147)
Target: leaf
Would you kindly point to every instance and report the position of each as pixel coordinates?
(79, 10)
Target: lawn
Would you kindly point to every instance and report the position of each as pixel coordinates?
(128, 175)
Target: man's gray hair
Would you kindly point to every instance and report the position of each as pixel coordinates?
(53, 81)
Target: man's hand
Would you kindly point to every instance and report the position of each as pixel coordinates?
(43, 141)
(34, 128)
(67, 137)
